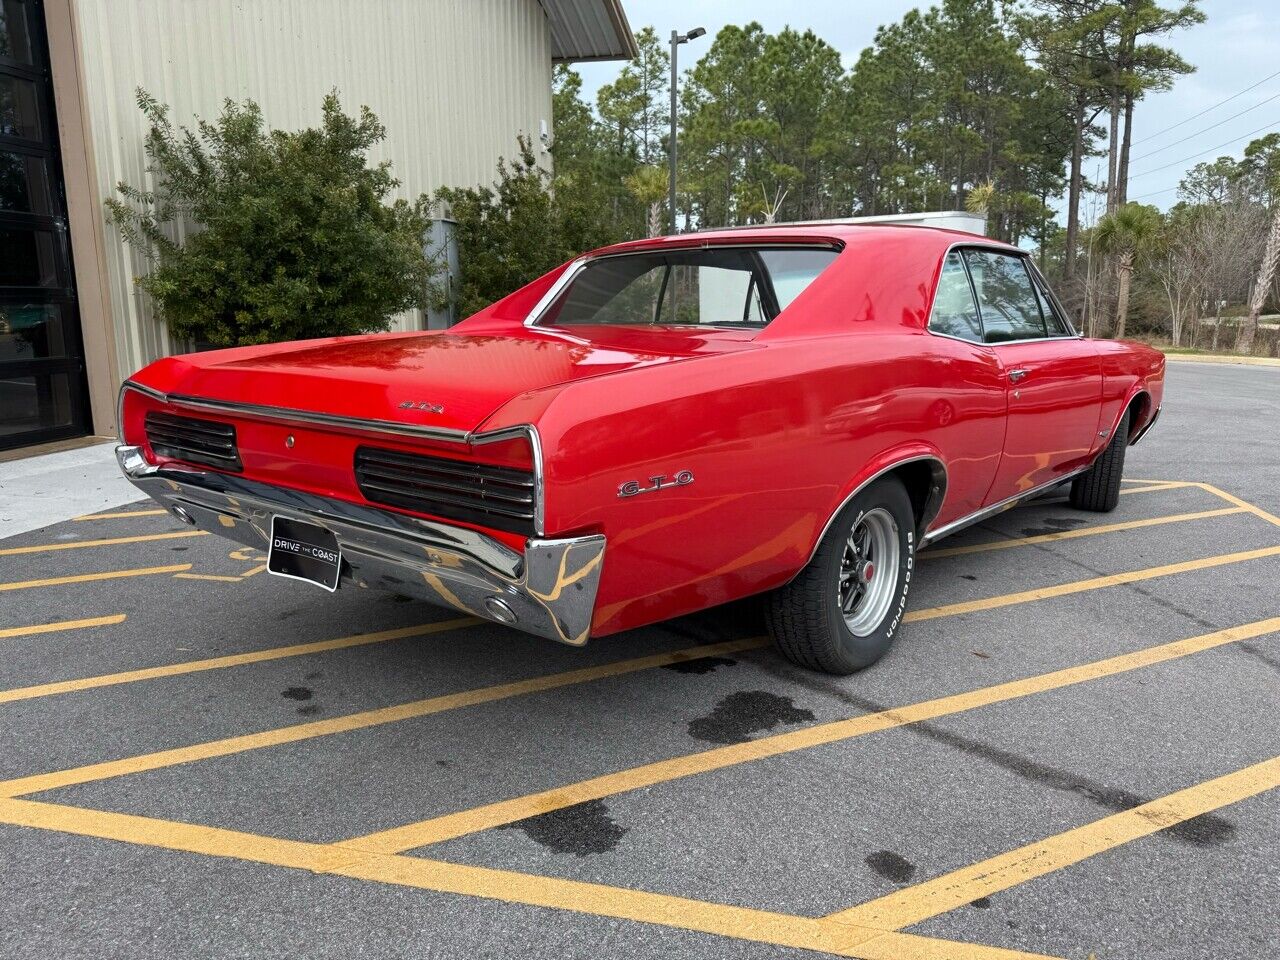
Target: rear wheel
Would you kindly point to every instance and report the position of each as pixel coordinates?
(1098, 488)
(841, 612)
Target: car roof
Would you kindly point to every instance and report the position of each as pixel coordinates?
(818, 231)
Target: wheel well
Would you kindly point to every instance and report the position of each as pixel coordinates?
(1137, 410)
(926, 485)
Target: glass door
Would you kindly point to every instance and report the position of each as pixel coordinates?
(42, 380)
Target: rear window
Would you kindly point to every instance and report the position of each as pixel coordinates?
(720, 287)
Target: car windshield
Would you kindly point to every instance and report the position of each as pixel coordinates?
(738, 286)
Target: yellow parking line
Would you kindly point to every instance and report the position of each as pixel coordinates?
(249, 573)
(219, 663)
(743, 923)
(1095, 583)
(1243, 504)
(363, 720)
(449, 826)
(90, 577)
(61, 625)
(914, 904)
(113, 541)
(217, 578)
(1162, 485)
(121, 515)
(1079, 532)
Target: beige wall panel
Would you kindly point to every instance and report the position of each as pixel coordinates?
(454, 81)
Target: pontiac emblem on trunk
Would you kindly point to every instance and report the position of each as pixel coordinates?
(421, 405)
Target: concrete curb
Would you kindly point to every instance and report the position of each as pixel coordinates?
(1221, 358)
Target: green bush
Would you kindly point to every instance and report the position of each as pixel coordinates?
(256, 235)
(523, 225)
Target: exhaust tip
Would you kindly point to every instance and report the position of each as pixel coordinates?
(182, 514)
(499, 610)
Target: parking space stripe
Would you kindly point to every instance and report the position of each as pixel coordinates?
(90, 577)
(231, 660)
(1256, 510)
(111, 542)
(1152, 488)
(61, 625)
(917, 903)
(450, 826)
(742, 923)
(120, 515)
(1077, 533)
(363, 720)
(1094, 583)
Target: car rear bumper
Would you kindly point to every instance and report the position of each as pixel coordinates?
(548, 591)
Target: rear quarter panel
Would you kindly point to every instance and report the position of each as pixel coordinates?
(775, 437)
(1128, 369)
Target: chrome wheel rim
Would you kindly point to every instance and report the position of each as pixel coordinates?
(869, 571)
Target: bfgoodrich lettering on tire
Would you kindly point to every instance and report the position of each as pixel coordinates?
(841, 611)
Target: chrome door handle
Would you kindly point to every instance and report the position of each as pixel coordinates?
(1016, 375)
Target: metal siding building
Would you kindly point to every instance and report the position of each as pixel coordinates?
(455, 82)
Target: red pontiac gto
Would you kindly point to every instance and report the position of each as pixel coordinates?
(659, 427)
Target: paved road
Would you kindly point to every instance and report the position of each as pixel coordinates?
(1070, 750)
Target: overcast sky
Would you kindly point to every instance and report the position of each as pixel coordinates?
(1236, 48)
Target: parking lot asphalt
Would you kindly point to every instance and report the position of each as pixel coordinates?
(1072, 750)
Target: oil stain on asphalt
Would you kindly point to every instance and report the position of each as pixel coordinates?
(741, 714)
(891, 866)
(582, 829)
(700, 665)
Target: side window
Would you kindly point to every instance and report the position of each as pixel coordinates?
(1053, 318)
(954, 312)
(1009, 303)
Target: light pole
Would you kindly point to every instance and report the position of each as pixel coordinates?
(677, 38)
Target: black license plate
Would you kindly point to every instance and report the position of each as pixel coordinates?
(303, 551)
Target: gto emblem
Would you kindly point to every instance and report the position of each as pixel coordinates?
(660, 482)
(421, 405)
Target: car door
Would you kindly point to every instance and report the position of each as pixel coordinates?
(1053, 377)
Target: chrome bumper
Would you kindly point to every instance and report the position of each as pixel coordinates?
(548, 591)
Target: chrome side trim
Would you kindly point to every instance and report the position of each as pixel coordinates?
(1150, 423)
(1009, 502)
(335, 422)
(933, 505)
(322, 419)
(555, 290)
(549, 589)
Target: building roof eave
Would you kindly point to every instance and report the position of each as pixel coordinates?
(583, 30)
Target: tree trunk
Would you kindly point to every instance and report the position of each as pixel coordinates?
(1122, 176)
(1249, 330)
(1124, 270)
(1073, 197)
(1113, 153)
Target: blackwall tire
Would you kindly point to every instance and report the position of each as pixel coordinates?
(1098, 488)
(820, 620)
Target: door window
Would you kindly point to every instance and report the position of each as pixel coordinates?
(1007, 299)
(954, 312)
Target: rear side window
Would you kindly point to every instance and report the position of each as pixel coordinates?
(1009, 302)
(715, 287)
(954, 312)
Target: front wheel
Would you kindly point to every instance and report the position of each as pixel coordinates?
(842, 610)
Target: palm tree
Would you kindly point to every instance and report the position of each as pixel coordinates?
(1129, 234)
